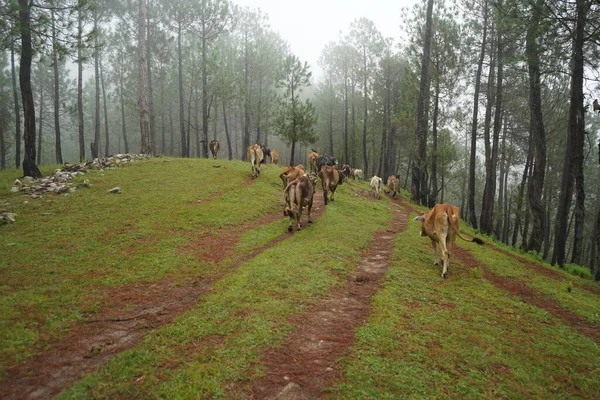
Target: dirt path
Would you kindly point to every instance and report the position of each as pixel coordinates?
(91, 344)
(530, 296)
(540, 269)
(306, 363)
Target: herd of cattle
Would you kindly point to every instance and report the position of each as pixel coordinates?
(441, 224)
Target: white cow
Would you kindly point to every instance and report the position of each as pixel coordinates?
(376, 186)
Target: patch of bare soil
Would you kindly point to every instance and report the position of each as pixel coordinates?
(540, 269)
(530, 296)
(306, 364)
(92, 343)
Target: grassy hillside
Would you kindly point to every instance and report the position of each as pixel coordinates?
(497, 327)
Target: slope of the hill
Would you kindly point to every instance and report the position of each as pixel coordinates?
(187, 285)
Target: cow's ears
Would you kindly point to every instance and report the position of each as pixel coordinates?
(420, 218)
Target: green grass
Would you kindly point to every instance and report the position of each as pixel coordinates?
(425, 337)
(462, 338)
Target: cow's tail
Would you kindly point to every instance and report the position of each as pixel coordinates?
(453, 224)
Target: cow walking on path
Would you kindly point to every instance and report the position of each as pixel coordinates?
(255, 155)
(441, 225)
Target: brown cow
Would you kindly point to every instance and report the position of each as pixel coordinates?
(330, 179)
(393, 185)
(312, 161)
(299, 193)
(291, 173)
(214, 148)
(441, 224)
(274, 157)
(255, 155)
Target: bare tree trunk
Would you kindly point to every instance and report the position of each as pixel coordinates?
(57, 143)
(421, 132)
(80, 87)
(246, 140)
(353, 120)
(122, 96)
(29, 166)
(153, 130)
(521, 195)
(106, 134)
(41, 121)
(346, 154)
(538, 133)
(95, 146)
(434, 156)
(489, 192)
(259, 109)
(366, 111)
(172, 144)
(162, 116)
(525, 232)
(2, 146)
(330, 126)
(471, 193)
(205, 105)
(17, 109)
(143, 90)
(573, 165)
(181, 95)
(500, 220)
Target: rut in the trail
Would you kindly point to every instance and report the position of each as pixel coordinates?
(91, 344)
(530, 296)
(306, 363)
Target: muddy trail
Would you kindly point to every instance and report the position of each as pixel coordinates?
(92, 343)
(528, 295)
(306, 363)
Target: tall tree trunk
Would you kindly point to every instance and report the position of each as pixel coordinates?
(205, 109)
(227, 137)
(106, 134)
(489, 192)
(330, 125)
(366, 113)
(596, 265)
(172, 131)
(123, 120)
(143, 90)
(538, 133)
(2, 146)
(573, 165)
(434, 154)
(246, 140)
(162, 116)
(95, 146)
(353, 117)
(57, 142)
(41, 121)
(525, 232)
(259, 109)
(80, 86)
(30, 168)
(421, 132)
(346, 154)
(521, 194)
(196, 122)
(181, 96)
(471, 193)
(17, 108)
(153, 130)
(500, 220)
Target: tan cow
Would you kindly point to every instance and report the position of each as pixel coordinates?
(255, 155)
(291, 173)
(330, 179)
(274, 157)
(393, 185)
(356, 173)
(299, 193)
(312, 161)
(214, 148)
(441, 224)
(376, 186)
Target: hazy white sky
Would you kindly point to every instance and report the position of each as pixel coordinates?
(309, 25)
